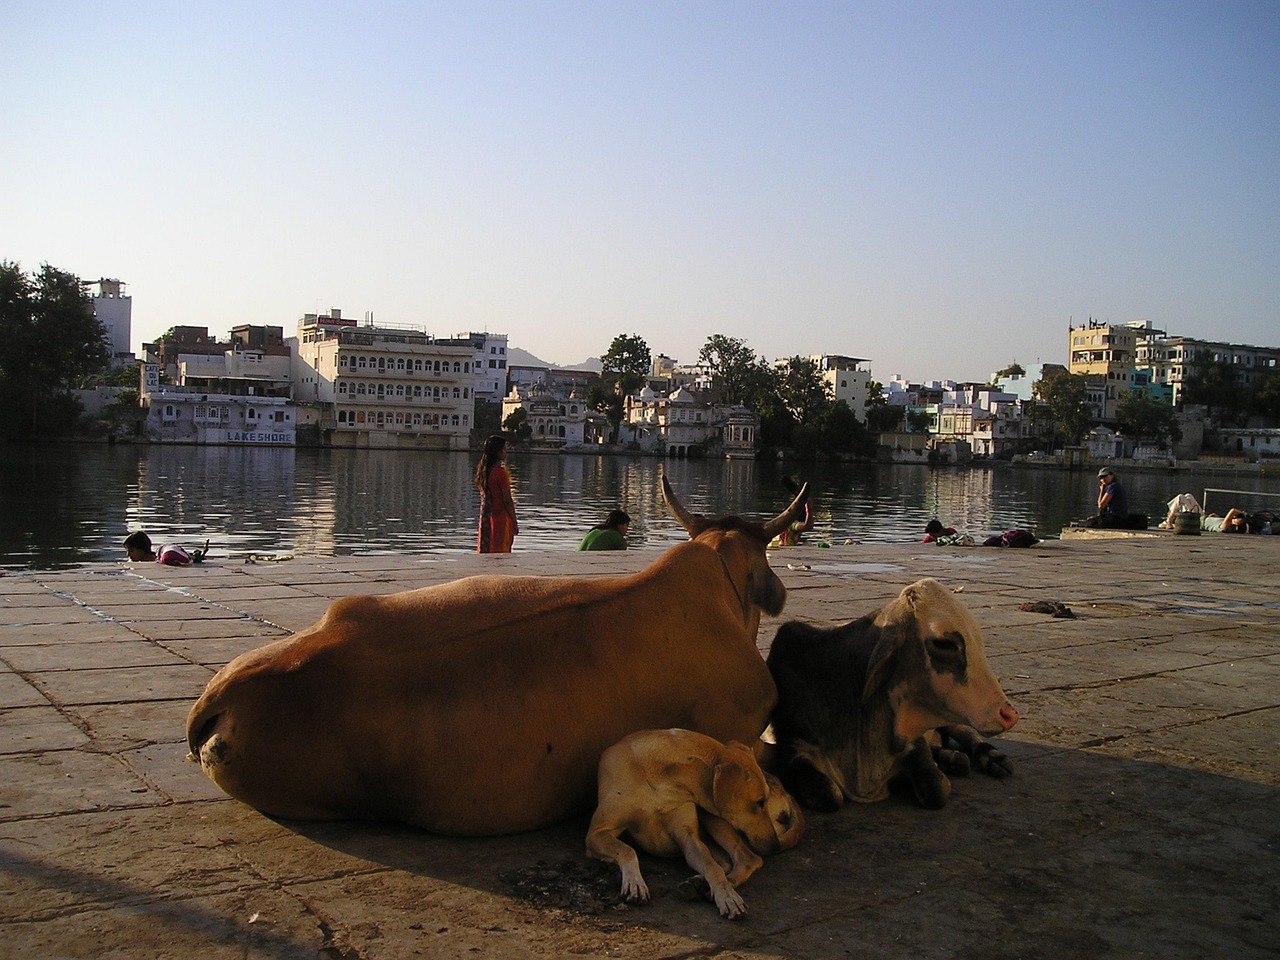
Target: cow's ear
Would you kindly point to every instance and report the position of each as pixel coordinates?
(880, 665)
(766, 589)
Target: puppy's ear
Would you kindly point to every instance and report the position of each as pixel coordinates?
(728, 779)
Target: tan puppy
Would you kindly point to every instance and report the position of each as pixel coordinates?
(655, 786)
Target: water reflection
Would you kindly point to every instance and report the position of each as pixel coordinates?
(61, 505)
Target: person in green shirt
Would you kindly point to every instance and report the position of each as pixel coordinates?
(610, 535)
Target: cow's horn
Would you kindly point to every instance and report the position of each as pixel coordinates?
(690, 521)
(787, 516)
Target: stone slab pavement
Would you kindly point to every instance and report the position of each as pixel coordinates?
(1143, 821)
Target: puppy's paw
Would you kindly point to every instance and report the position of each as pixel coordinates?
(730, 904)
(634, 889)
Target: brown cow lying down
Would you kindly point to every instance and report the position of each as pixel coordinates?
(863, 703)
(656, 785)
(482, 706)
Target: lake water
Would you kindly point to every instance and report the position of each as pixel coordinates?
(66, 504)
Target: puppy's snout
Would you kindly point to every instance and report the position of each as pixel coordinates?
(785, 819)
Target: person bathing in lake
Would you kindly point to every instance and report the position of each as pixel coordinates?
(934, 529)
(792, 534)
(498, 524)
(138, 547)
(610, 535)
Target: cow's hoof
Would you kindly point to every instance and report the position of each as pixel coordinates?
(812, 788)
(992, 762)
(954, 762)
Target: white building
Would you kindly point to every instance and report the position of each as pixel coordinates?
(679, 424)
(489, 363)
(182, 414)
(385, 386)
(848, 380)
(114, 310)
(556, 417)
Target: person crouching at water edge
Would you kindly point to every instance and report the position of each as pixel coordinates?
(610, 535)
(498, 524)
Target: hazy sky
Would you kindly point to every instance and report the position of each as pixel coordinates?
(939, 187)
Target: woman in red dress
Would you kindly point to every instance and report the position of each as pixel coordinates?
(498, 524)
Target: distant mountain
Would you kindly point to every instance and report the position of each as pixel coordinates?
(523, 358)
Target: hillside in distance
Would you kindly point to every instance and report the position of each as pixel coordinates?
(523, 358)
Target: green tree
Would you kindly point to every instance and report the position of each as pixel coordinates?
(803, 389)
(604, 398)
(1145, 417)
(1265, 400)
(1066, 395)
(918, 421)
(732, 363)
(843, 432)
(517, 424)
(1013, 370)
(50, 342)
(1217, 386)
(882, 416)
(629, 360)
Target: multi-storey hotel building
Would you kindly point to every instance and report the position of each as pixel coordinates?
(385, 386)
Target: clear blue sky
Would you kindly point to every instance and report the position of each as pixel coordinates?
(939, 187)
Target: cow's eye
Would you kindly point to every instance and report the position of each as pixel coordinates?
(945, 644)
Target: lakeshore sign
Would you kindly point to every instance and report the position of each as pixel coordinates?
(260, 436)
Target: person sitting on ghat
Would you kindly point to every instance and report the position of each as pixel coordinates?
(1113, 504)
(1182, 503)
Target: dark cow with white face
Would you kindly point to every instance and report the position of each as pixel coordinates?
(880, 697)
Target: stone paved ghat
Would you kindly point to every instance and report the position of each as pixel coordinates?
(1144, 819)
